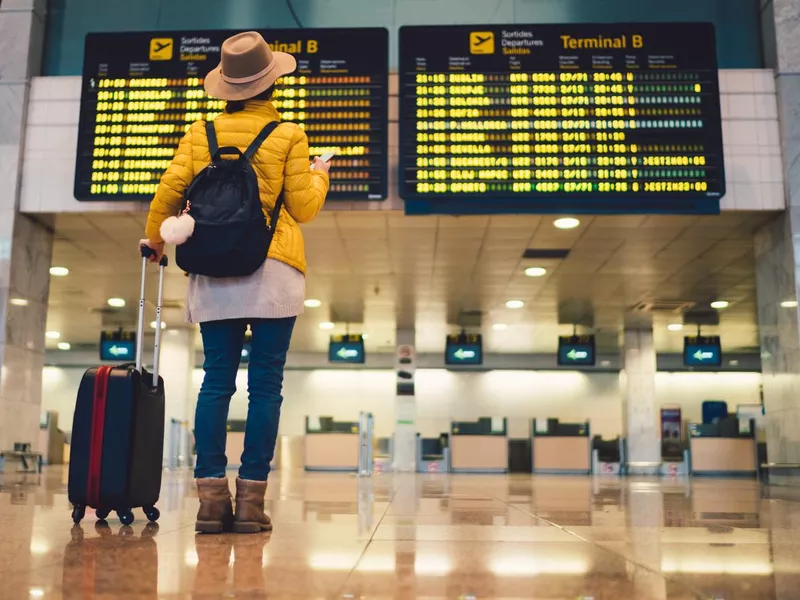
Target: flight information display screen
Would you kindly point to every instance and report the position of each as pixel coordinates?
(141, 91)
(557, 118)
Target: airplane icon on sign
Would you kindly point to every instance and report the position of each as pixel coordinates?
(481, 42)
(161, 49)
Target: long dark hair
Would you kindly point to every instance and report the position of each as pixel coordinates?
(233, 106)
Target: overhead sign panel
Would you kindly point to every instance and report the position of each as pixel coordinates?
(702, 351)
(346, 349)
(117, 346)
(464, 349)
(560, 118)
(141, 91)
(576, 350)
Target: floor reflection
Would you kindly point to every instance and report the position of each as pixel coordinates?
(427, 536)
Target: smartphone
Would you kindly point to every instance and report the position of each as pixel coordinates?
(328, 155)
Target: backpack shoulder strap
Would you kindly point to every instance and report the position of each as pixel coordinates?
(275, 213)
(263, 135)
(213, 146)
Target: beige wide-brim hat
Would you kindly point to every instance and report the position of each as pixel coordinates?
(248, 67)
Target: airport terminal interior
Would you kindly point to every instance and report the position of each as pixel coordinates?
(550, 345)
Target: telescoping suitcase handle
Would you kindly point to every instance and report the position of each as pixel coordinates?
(146, 254)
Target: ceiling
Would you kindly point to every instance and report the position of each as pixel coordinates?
(379, 270)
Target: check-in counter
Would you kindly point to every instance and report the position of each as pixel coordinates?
(561, 447)
(433, 454)
(331, 445)
(607, 456)
(479, 446)
(727, 447)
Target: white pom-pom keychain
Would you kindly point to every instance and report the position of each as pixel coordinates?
(176, 230)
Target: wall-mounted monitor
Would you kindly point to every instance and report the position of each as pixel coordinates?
(347, 349)
(702, 351)
(464, 349)
(568, 117)
(142, 90)
(576, 350)
(118, 346)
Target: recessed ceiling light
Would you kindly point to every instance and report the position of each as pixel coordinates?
(789, 304)
(64, 345)
(720, 304)
(514, 304)
(566, 223)
(52, 335)
(313, 303)
(36, 593)
(116, 302)
(499, 327)
(535, 271)
(153, 325)
(326, 325)
(59, 271)
(18, 302)
(675, 326)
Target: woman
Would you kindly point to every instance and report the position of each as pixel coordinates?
(268, 300)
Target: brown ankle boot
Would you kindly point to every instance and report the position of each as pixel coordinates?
(250, 517)
(216, 511)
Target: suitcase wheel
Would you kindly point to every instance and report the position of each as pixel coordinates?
(78, 512)
(152, 513)
(102, 514)
(125, 517)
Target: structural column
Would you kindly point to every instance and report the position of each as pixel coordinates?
(639, 400)
(25, 244)
(405, 407)
(777, 247)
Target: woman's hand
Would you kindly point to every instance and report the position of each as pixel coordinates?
(157, 248)
(321, 165)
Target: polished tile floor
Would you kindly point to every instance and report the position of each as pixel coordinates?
(432, 536)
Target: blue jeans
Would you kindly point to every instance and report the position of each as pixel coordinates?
(222, 343)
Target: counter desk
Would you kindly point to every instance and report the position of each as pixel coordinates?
(331, 445)
(725, 448)
(562, 448)
(479, 446)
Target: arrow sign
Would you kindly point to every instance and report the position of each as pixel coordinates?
(701, 356)
(118, 351)
(462, 354)
(347, 353)
(577, 354)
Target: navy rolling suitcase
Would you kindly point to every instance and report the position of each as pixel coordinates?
(116, 454)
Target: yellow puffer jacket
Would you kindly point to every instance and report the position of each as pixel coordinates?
(281, 162)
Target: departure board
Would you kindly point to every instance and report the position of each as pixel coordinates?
(141, 91)
(560, 118)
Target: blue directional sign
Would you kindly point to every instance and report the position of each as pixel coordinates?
(117, 346)
(576, 350)
(346, 349)
(463, 349)
(702, 351)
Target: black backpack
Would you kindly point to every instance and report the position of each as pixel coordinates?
(231, 235)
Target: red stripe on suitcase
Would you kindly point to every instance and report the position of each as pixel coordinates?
(96, 445)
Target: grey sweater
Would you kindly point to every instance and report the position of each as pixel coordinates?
(275, 291)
